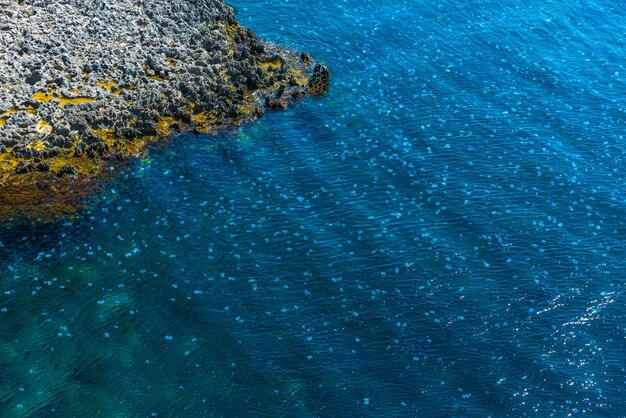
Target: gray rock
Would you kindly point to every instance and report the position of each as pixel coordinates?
(89, 80)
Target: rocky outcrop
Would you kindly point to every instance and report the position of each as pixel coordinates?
(87, 84)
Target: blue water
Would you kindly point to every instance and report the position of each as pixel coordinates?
(444, 234)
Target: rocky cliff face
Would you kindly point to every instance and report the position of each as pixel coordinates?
(86, 84)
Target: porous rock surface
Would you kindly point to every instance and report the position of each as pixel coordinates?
(87, 83)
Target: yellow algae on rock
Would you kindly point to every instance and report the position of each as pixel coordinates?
(274, 64)
(108, 135)
(107, 84)
(31, 110)
(44, 127)
(164, 125)
(8, 111)
(150, 76)
(42, 96)
(36, 145)
(155, 77)
(64, 101)
(119, 89)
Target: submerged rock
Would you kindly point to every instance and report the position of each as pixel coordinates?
(86, 84)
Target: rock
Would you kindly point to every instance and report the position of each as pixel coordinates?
(66, 169)
(275, 104)
(34, 78)
(319, 81)
(93, 82)
(43, 166)
(23, 167)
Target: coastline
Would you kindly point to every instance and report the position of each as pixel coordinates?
(68, 120)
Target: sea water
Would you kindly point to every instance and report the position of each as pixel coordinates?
(443, 234)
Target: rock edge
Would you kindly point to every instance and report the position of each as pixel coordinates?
(87, 85)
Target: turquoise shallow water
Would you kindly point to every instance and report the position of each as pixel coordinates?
(442, 235)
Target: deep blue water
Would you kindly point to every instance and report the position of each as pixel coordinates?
(444, 234)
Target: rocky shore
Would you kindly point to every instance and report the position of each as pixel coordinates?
(88, 84)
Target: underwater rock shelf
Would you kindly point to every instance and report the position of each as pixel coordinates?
(88, 84)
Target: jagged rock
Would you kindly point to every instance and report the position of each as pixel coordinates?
(83, 83)
(320, 80)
